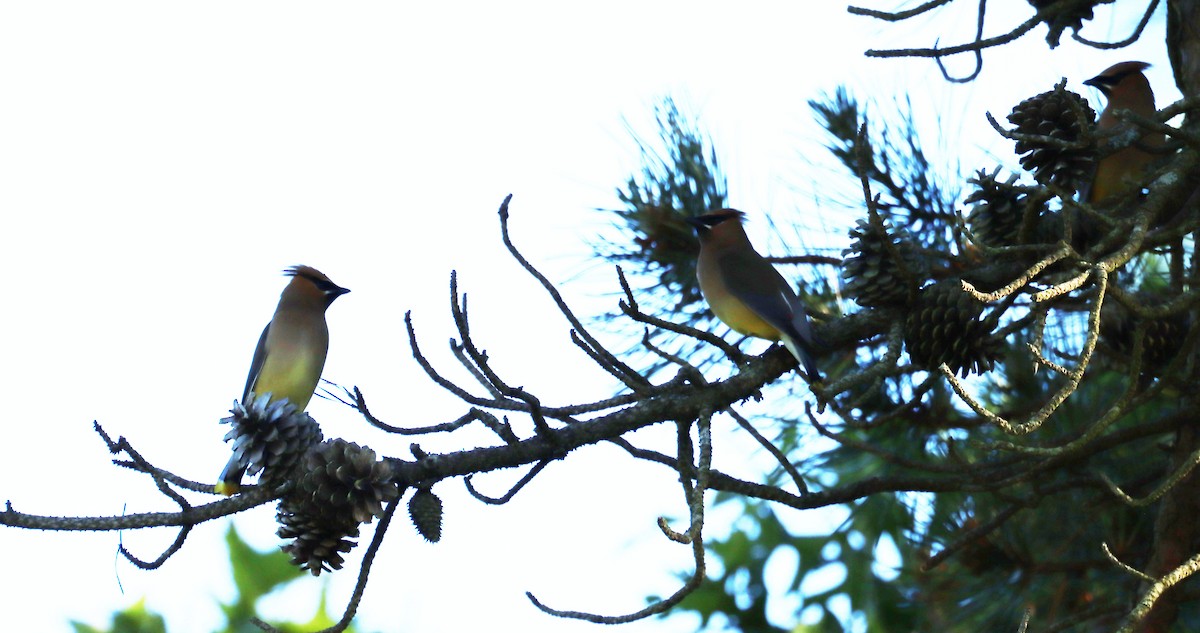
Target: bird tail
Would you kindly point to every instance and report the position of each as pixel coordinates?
(231, 478)
(806, 359)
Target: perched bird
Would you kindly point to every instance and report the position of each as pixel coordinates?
(1125, 88)
(746, 292)
(291, 351)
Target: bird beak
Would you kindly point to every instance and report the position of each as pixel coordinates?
(340, 291)
(699, 224)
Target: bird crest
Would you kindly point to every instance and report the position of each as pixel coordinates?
(1105, 81)
(318, 279)
(709, 220)
(307, 272)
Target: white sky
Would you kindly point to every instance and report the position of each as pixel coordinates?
(162, 162)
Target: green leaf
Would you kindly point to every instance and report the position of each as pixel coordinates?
(135, 619)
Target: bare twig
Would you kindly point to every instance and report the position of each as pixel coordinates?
(695, 499)
(554, 294)
(355, 399)
(806, 259)
(1074, 376)
(1178, 475)
(630, 308)
(885, 366)
(1156, 591)
(1123, 567)
(248, 498)
(528, 477)
(174, 547)
(1137, 32)
(977, 45)
(1062, 252)
(924, 7)
(780, 458)
(978, 52)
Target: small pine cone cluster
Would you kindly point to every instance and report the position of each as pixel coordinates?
(1069, 15)
(998, 211)
(342, 486)
(946, 326)
(425, 510)
(1160, 342)
(270, 436)
(871, 277)
(1066, 153)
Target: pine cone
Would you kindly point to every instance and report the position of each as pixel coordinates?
(345, 478)
(996, 216)
(1068, 15)
(318, 539)
(871, 277)
(1162, 335)
(999, 211)
(341, 487)
(425, 510)
(270, 436)
(1063, 117)
(946, 326)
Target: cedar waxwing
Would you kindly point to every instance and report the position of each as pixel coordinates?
(1125, 88)
(746, 292)
(291, 351)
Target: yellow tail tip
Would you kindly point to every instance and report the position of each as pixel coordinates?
(227, 488)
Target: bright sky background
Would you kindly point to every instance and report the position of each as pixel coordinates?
(162, 162)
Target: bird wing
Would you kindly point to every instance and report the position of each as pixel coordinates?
(260, 354)
(800, 322)
(757, 284)
(761, 288)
